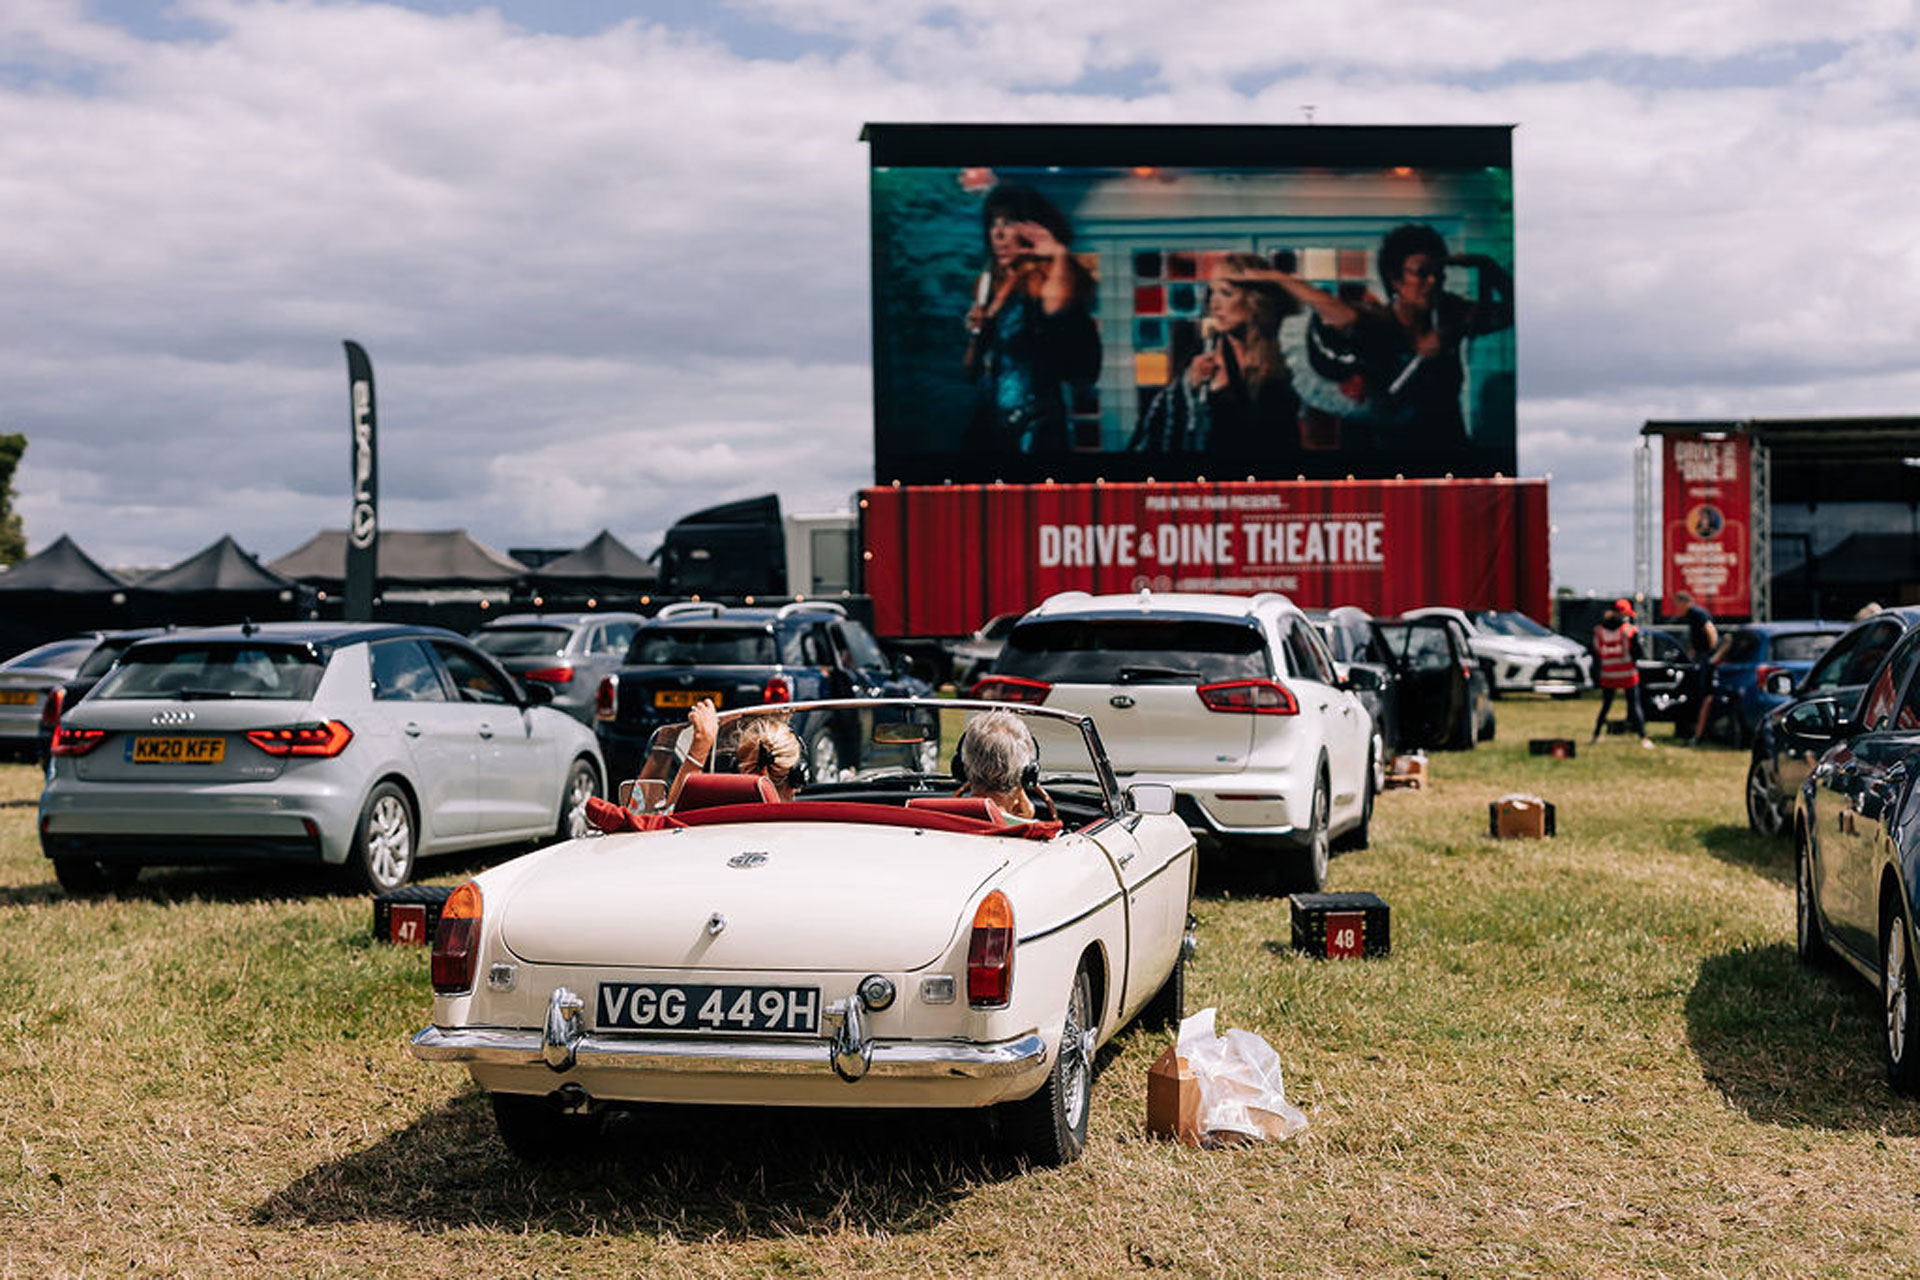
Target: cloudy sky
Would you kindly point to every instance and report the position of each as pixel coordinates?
(610, 259)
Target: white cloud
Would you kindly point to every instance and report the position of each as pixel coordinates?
(608, 278)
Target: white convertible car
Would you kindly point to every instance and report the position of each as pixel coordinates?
(875, 941)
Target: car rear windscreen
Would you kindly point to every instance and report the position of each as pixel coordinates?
(703, 647)
(1134, 651)
(1802, 646)
(230, 670)
(521, 642)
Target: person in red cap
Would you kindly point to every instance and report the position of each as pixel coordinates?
(1613, 642)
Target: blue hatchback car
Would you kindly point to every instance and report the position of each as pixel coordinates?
(1750, 654)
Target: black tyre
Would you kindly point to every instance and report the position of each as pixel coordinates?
(1305, 870)
(90, 877)
(1765, 812)
(537, 1131)
(583, 783)
(1809, 939)
(1901, 1001)
(1361, 836)
(1051, 1126)
(1488, 727)
(385, 841)
(1169, 1003)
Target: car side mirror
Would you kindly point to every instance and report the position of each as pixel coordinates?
(537, 695)
(1779, 682)
(1817, 721)
(1151, 798)
(1362, 679)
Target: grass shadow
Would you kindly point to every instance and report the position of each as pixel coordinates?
(688, 1172)
(241, 882)
(1768, 856)
(1793, 1045)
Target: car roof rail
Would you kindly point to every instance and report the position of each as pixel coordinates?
(810, 606)
(688, 608)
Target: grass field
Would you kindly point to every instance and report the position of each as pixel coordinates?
(1593, 1055)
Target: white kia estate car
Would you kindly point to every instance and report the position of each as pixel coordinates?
(1234, 701)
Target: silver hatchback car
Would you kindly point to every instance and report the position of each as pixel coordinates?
(358, 746)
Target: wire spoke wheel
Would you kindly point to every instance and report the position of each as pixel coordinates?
(581, 787)
(1897, 985)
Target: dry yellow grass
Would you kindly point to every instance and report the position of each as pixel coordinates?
(1587, 1056)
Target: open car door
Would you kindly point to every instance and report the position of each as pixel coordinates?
(1434, 708)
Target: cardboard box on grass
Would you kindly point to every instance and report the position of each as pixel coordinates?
(1173, 1100)
(1520, 817)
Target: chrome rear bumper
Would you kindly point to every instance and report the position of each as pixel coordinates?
(928, 1059)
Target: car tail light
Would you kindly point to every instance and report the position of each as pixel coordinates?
(328, 739)
(605, 698)
(778, 689)
(456, 942)
(990, 953)
(75, 742)
(1012, 689)
(1250, 697)
(562, 674)
(50, 708)
(1761, 674)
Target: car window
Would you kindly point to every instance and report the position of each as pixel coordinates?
(474, 681)
(1907, 718)
(403, 671)
(1306, 659)
(1128, 650)
(1661, 647)
(616, 636)
(1434, 644)
(1802, 646)
(521, 642)
(703, 647)
(1870, 653)
(104, 655)
(842, 654)
(58, 655)
(1853, 657)
(998, 628)
(1743, 646)
(212, 670)
(867, 654)
(1876, 705)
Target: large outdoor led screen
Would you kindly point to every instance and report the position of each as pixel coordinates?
(1087, 302)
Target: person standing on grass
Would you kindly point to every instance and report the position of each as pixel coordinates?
(1613, 642)
(1703, 638)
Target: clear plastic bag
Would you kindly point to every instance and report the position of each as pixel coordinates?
(1239, 1078)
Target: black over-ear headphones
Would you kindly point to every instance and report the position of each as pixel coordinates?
(1029, 774)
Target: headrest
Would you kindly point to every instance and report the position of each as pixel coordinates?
(978, 807)
(709, 790)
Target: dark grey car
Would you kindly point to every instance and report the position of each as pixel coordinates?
(567, 652)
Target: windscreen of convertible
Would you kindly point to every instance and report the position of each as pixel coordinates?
(1134, 650)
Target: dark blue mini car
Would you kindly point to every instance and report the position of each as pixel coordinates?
(1750, 654)
(747, 657)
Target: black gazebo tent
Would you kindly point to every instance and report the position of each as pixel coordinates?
(220, 583)
(600, 571)
(57, 592)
